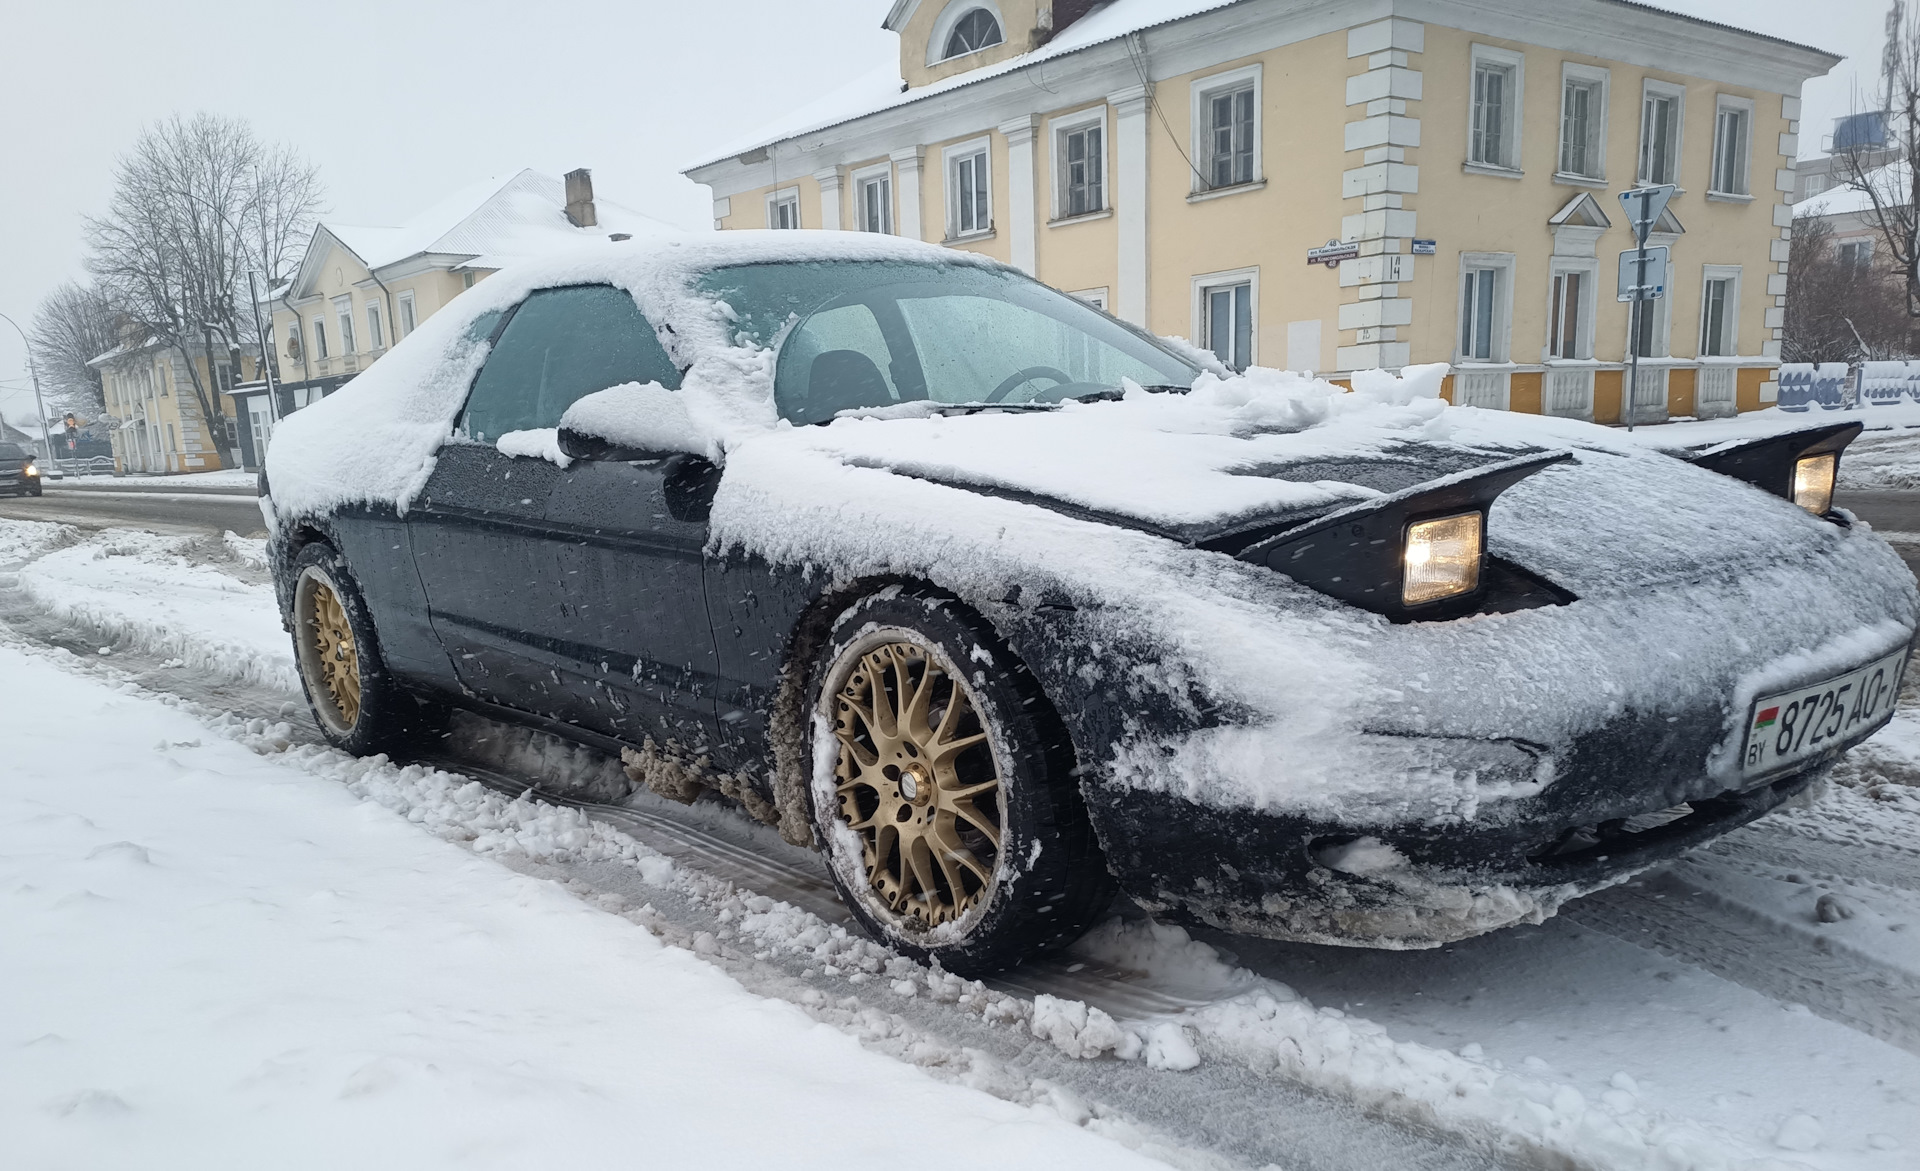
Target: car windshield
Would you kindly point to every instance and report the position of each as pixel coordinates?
(12, 451)
(865, 334)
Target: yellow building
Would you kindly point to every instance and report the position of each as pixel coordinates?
(360, 289)
(159, 423)
(1177, 161)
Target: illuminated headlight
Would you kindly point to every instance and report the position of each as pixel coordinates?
(1813, 482)
(1442, 558)
(30, 470)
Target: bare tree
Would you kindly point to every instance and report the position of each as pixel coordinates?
(74, 324)
(197, 203)
(1838, 311)
(1893, 200)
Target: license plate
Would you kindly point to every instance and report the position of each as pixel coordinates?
(1792, 726)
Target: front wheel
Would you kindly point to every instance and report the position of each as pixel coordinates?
(357, 703)
(943, 789)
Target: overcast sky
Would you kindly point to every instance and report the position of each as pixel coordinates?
(403, 101)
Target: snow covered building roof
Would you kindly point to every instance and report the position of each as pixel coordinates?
(485, 225)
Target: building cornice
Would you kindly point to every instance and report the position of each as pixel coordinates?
(1632, 33)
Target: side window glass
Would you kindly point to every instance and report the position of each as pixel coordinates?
(561, 345)
(837, 361)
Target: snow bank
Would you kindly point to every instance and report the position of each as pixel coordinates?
(218, 958)
(146, 591)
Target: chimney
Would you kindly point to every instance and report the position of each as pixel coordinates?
(580, 199)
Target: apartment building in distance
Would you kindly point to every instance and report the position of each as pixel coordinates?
(160, 426)
(1178, 162)
(360, 289)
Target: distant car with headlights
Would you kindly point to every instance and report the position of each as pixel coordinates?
(1001, 603)
(19, 471)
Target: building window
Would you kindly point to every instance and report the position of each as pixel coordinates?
(1816, 184)
(223, 376)
(1855, 255)
(1659, 134)
(783, 209)
(874, 202)
(1225, 313)
(343, 310)
(1732, 139)
(1230, 138)
(1477, 313)
(969, 208)
(1486, 306)
(376, 335)
(407, 319)
(1094, 297)
(1720, 313)
(1567, 316)
(1083, 171)
(466, 280)
(320, 337)
(973, 32)
(1494, 134)
(1583, 122)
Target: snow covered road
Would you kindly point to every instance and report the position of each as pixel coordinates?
(1713, 1016)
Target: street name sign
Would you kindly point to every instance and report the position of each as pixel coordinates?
(1334, 252)
(1643, 273)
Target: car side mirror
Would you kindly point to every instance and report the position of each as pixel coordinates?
(582, 446)
(690, 484)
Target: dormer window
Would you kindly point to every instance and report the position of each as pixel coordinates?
(973, 32)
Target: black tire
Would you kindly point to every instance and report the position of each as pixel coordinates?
(387, 718)
(1047, 879)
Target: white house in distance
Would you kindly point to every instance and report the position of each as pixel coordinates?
(360, 288)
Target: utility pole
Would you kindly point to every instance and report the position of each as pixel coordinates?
(266, 355)
(1643, 277)
(39, 405)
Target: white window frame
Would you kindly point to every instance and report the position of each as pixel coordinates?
(343, 314)
(859, 180)
(950, 159)
(1094, 297)
(409, 317)
(1730, 342)
(1722, 103)
(1650, 88)
(1200, 95)
(1509, 163)
(789, 196)
(949, 17)
(1500, 341)
(1589, 271)
(1840, 248)
(1057, 131)
(1571, 74)
(376, 329)
(1205, 283)
(320, 350)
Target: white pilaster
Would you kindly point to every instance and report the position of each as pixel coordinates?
(829, 181)
(1130, 210)
(1384, 129)
(1021, 145)
(906, 181)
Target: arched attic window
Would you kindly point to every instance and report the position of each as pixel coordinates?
(973, 32)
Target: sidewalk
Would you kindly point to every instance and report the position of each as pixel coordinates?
(222, 483)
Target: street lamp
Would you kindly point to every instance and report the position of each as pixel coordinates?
(46, 439)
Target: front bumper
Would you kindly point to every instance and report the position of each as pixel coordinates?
(1410, 886)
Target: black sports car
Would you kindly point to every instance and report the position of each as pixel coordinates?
(1001, 603)
(19, 471)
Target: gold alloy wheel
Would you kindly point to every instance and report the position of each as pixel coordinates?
(916, 780)
(337, 656)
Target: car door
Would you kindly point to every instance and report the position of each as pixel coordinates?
(567, 593)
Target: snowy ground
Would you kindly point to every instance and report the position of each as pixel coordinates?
(238, 952)
(225, 478)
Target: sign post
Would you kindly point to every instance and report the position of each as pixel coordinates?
(1643, 206)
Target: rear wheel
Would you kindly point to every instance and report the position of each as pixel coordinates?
(943, 789)
(357, 703)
